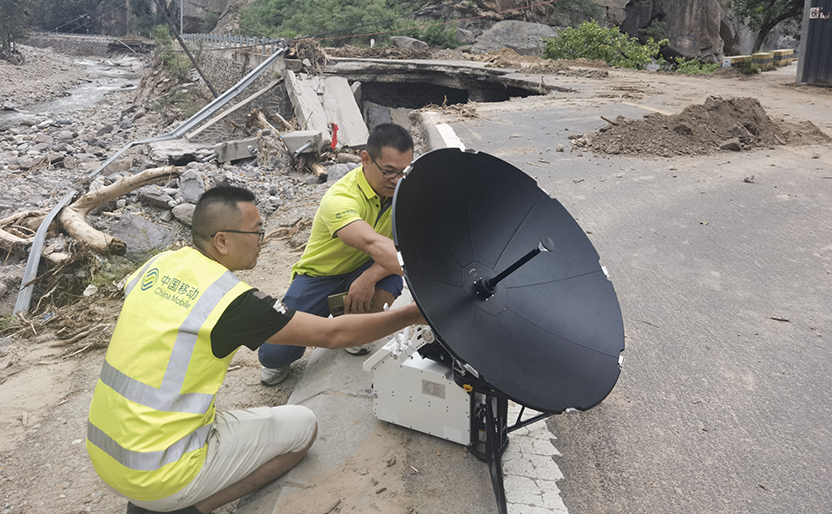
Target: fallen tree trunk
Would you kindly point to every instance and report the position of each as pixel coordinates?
(73, 217)
(12, 243)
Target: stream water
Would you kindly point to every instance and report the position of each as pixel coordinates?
(105, 76)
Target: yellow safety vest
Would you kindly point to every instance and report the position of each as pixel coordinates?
(153, 406)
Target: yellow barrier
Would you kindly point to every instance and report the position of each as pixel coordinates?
(765, 60)
(783, 57)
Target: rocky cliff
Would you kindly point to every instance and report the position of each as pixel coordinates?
(702, 29)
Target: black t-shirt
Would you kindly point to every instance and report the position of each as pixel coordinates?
(248, 321)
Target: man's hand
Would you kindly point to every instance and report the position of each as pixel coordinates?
(360, 295)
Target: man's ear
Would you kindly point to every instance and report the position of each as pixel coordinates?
(221, 243)
(365, 158)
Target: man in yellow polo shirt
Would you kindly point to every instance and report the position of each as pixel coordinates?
(350, 249)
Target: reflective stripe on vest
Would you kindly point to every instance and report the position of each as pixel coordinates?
(148, 461)
(168, 396)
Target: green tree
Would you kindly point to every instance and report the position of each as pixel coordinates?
(591, 41)
(764, 15)
(11, 24)
(335, 19)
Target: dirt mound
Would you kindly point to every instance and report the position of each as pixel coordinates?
(718, 124)
(448, 54)
(508, 58)
(378, 53)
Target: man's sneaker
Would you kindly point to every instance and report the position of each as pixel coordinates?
(274, 376)
(364, 349)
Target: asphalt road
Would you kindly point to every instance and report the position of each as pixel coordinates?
(723, 404)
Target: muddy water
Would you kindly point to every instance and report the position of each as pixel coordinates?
(105, 77)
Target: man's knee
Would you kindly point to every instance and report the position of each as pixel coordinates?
(380, 298)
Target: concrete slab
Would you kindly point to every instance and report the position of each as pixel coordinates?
(229, 151)
(176, 150)
(304, 92)
(341, 108)
(296, 140)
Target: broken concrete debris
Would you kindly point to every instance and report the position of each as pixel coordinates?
(303, 141)
(319, 103)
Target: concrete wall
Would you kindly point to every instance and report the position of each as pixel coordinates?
(224, 69)
(73, 45)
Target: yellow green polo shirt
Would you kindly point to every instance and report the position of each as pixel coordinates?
(349, 199)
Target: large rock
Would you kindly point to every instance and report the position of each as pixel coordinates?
(142, 237)
(184, 213)
(409, 42)
(522, 37)
(192, 184)
(153, 195)
(693, 27)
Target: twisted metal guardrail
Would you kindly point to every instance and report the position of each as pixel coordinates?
(256, 44)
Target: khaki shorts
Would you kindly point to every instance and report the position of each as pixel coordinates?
(240, 442)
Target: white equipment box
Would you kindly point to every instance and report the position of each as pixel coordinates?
(418, 393)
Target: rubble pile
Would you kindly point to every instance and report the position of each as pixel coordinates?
(508, 58)
(45, 157)
(391, 52)
(720, 124)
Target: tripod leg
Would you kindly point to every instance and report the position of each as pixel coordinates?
(494, 449)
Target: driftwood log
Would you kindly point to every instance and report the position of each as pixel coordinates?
(72, 218)
(268, 138)
(17, 231)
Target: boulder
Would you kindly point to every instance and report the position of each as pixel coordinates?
(336, 171)
(154, 196)
(142, 237)
(192, 185)
(184, 213)
(522, 37)
(409, 42)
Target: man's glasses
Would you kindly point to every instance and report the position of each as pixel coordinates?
(261, 233)
(387, 174)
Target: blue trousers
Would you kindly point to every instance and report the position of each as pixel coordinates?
(309, 294)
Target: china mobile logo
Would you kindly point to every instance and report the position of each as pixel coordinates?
(150, 279)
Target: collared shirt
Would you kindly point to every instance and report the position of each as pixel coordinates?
(348, 200)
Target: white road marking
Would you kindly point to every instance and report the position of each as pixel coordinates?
(529, 469)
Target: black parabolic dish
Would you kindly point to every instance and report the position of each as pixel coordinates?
(551, 335)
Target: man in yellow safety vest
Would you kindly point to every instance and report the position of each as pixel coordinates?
(154, 435)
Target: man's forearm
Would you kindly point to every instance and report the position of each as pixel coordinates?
(384, 256)
(366, 328)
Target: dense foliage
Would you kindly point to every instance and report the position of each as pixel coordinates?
(591, 41)
(335, 18)
(695, 66)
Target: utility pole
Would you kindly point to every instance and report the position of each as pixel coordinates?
(164, 10)
(181, 16)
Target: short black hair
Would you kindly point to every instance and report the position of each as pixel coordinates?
(216, 210)
(388, 135)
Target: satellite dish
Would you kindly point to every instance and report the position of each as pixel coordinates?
(508, 281)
